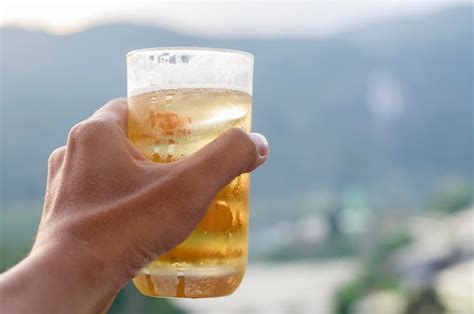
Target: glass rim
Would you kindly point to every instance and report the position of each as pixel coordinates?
(204, 49)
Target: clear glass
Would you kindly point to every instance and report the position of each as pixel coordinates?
(180, 99)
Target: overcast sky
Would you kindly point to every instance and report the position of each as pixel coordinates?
(223, 18)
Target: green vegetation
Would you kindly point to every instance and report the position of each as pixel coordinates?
(453, 196)
(315, 112)
(339, 246)
(376, 274)
(424, 302)
(325, 135)
(18, 224)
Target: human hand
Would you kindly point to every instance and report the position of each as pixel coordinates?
(108, 211)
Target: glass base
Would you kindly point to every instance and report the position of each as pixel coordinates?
(202, 282)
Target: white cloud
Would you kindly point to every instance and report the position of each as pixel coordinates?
(223, 18)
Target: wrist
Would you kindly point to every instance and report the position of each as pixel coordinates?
(63, 278)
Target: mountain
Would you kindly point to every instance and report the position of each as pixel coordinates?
(386, 108)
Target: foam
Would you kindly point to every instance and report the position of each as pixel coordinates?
(144, 90)
(154, 70)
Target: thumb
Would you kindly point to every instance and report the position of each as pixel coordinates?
(220, 161)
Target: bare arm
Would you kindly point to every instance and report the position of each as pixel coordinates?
(108, 211)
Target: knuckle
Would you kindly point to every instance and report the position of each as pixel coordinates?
(89, 130)
(242, 139)
(246, 147)
(119, 100)
(237, 134)
(116, 102)
(56, 155)
(77, 132)
(101, 124)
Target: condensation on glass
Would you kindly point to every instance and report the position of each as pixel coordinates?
(180, 99)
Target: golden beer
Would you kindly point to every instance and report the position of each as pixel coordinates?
(169, 125)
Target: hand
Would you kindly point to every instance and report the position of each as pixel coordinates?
(108, 211)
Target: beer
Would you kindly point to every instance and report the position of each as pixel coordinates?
(169, 125)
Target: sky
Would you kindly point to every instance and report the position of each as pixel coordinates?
(217, 18)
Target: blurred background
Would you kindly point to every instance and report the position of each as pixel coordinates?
(365, 205)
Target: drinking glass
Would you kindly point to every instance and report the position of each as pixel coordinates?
(180, 99)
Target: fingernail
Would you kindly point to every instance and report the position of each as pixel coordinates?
(261, 143)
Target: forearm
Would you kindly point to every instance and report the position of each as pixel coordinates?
(56, 279)
(108, 211)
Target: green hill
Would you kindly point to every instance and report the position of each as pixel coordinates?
(386, 107)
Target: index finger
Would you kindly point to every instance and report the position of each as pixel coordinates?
(114, 111)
